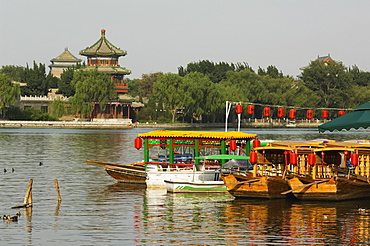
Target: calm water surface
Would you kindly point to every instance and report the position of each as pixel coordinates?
(95, 210)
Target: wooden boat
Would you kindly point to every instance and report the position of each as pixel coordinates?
(270, 169)
(268, 187)
(133, 173)
(169, 155)
(333, 189)
(328, 173)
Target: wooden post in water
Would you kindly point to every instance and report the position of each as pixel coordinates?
(57, 189)
(28, 198)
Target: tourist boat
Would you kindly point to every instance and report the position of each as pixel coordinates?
(271, 165)
(133, 173)
(172, 155)
(339, 171)
(182, 185)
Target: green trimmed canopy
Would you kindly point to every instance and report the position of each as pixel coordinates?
(358, 118)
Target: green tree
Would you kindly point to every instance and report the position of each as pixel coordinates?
(14, 72)
(215, 71)
(92, 87)
(168, 89)
(57, 108)
(9, 92)
(65, 86)
(36, 80)
(328, 80)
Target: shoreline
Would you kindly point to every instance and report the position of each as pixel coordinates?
(120, 125)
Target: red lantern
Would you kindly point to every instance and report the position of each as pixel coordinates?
(239, 109)
(253, 157)
(292, 113)
(354, 159)
(266, 112)
(250, 109)
(324, 114)
(309, 114)
(232, 145)
(311, 159)
(347, 155)
(256, 143)
(340, 113)
(286, 157)
(293, 158)
(138, 143)
(280, 113)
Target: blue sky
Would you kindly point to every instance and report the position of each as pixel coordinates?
(161, 35)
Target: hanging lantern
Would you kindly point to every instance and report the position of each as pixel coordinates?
(354, 159)
(138, 143)
(292, 113)
(286, 157)
(250, 109)
(266, 111)
(253, 157)
(256, 143)
(309, 114)
(293, 158)
(347, 155)
(239, 109)
(280, 113)
(340, 113)
(311, 159)
(232, 145)
(325, 114)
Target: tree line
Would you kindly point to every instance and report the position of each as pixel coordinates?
(198, 92)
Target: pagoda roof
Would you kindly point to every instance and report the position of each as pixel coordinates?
(66, 56)
(109, 69)
(103, 48)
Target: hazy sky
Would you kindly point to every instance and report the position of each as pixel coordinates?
(161, 35)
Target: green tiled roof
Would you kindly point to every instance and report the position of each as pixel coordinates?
(66, 56)
(103, 48)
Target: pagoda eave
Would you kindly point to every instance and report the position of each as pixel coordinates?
(110, 70)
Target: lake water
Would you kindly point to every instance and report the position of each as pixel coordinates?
(95, 210)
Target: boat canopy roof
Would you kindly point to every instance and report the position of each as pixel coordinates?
(198, 134)
(312, 143)
(223, 157)
(349, 144)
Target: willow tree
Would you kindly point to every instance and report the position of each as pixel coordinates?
(91, 87)
(8, 92)
(169, 89)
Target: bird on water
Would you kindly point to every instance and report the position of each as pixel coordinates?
(12, 218)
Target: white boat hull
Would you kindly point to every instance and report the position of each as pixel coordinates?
(155, 177)
(195, 187)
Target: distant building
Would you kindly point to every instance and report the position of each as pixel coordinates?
(104, 56)
(63, 62)
(323, 59)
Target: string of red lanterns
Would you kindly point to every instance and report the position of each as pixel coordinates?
(281, 112)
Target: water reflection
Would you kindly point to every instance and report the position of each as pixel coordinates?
(96, 210)
(188, 218)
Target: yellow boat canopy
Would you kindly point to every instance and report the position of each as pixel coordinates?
(197, 134)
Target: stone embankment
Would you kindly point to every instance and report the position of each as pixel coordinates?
(123, 125)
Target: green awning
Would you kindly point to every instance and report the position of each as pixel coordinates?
(359, 118)
(223, 157)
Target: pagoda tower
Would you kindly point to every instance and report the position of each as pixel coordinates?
(103, 55)
(63, 62)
